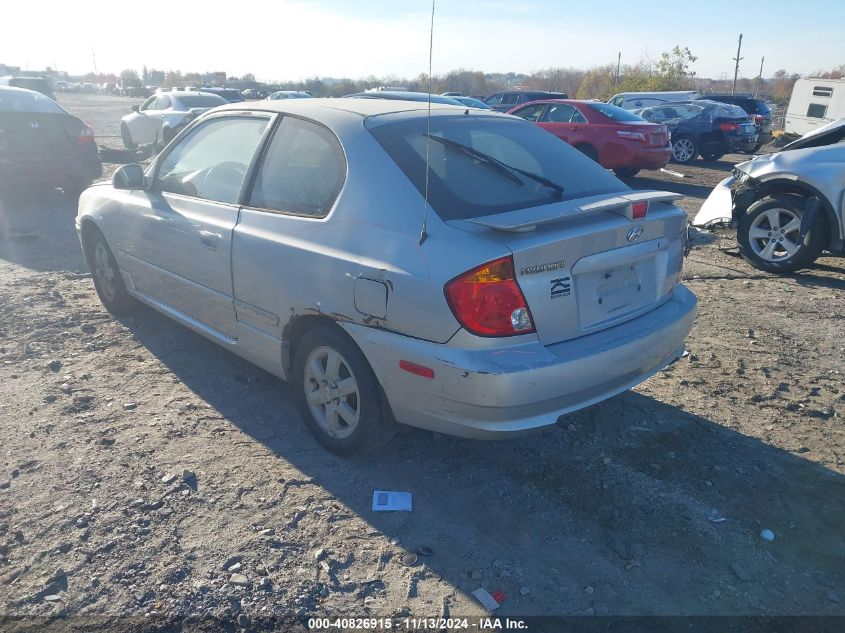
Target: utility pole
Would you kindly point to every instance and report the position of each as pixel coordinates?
(618, 65)
(736, 59)
(759, 79)
(94, 57)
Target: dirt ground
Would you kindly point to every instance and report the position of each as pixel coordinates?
(616, 510)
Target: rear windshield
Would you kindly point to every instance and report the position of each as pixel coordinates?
(14, 101)
(201, 101)
(465, 186)
(616, 113)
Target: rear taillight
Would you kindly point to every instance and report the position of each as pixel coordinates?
(86, 135)
(729, 127)
(758, 119)
(636, 136)
(487, 301)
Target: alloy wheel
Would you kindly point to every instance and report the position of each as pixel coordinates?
(775, 235)
(332, 392)
(104, 272)
(682, 150)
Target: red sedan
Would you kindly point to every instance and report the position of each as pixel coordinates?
(615, 138)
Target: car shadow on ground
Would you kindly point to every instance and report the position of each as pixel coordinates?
(37, 231)
(627, 497)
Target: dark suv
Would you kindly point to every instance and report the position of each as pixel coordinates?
(508, 100)
(38, 84)
(757, 109)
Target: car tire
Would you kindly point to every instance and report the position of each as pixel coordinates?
(755, 149)
(337, 392)
(588, 150)
(779, 216)
(711, 156)
(684, 149)
(626, 172)
(108, 281)
(126, 137)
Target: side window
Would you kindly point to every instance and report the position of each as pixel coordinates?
(577, 117)
(618, 101)
(495, 99)
(816, 111)
(163, 102)
(510, 98)
(531, 113)
(148, 104)
(211, 162)
(302, 171)
(559, 113)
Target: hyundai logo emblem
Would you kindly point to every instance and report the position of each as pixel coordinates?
(635, 232)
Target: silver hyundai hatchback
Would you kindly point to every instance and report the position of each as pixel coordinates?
(510, 282)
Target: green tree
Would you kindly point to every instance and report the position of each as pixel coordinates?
(129, 77)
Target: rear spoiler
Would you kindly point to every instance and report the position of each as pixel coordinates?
(525, 220)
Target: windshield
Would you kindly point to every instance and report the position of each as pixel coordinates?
(616, 113)
(201, 101)
(463, 185)
(20, 101)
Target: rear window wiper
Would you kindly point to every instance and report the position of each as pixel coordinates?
(496, 163)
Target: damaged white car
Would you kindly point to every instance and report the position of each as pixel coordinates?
(787, 207)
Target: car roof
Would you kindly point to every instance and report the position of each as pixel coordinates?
(403, 96)
(321, 108)
(16, 89)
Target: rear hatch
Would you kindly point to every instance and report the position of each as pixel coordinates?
(585, 265)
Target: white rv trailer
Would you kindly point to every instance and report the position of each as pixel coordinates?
(814, 102)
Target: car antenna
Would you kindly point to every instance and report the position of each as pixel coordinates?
(424, 230)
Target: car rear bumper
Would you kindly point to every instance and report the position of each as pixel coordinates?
(495, 392)
(639, 157)
(53, 172)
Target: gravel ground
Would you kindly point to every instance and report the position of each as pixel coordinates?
(145, 471)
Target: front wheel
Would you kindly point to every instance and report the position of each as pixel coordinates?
(769, 235)
(337, 391)
(107, 279)
(684, 149)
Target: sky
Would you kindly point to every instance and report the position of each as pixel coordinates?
(298, 39)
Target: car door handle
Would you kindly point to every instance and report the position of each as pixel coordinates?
(210, 240)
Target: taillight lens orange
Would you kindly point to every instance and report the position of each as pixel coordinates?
(487, 301)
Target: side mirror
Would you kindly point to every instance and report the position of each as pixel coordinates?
(135, 108)
(129, 177)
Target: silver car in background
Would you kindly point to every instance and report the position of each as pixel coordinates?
(163, 115)
(296, 233)
(787, 207)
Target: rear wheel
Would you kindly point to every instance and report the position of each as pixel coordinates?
(711, 156)
(589, 151)
(769, 235)
(126, 137)
(626, 172)
(337, 391)
(107, 280)
(684, 149)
